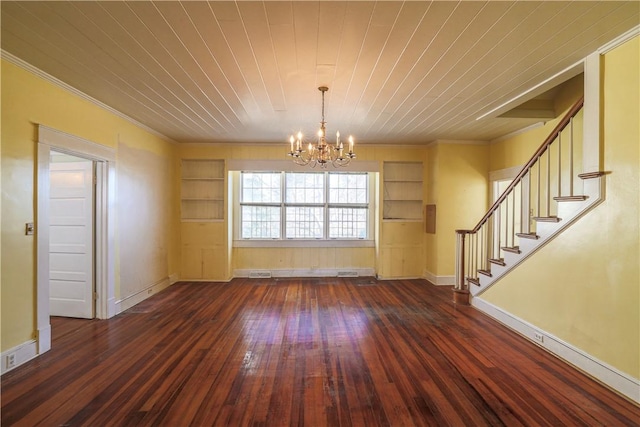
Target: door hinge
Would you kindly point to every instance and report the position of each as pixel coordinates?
(95, 296)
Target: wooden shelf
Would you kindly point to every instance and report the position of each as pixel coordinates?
(202, 190)
(402, 199)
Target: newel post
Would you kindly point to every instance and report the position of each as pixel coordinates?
(460, 290)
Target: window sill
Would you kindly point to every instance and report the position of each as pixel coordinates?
(300, 243)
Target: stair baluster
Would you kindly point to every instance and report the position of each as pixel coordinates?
(480, 250)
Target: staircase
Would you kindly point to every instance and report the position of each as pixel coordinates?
(546, 197)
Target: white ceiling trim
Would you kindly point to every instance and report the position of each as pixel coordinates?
(457, 142)
(62, 85)
(289, 166)
(557, 78)
(400, 73)
(517, 132)
(551, 82)
(634, 32)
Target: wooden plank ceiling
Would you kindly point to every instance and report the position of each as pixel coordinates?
(248, 71)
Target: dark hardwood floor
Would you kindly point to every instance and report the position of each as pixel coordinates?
(301, 352)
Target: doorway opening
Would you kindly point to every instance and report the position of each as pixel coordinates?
(53, 229)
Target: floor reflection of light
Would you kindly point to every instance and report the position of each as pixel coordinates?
(250, 363)
(317, 330)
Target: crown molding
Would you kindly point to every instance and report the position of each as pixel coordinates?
(623, 38)
(517, 132)
(11, 58)
(456, 142)
(559, 77)
(286, 144)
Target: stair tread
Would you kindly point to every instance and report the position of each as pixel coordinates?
(497, 261)
(512, 249)
(547, 218)
(486, 273)
(473, 280)
(528, 236)
(570, 198)
(590, 175)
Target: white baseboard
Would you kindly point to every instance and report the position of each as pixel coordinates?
(440, 280)
(43, 340)
(606, 374)
(21, 354)
(112, 309)
(310, 272)
(173, 278)
(138, 297)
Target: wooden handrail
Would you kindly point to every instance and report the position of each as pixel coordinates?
(539, 152)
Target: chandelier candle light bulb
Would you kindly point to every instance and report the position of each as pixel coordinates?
(321, 153)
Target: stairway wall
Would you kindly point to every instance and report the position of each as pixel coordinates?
(584, 286)
(517, 150)
(457, 184)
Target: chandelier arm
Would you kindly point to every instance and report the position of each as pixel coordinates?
(322, 153)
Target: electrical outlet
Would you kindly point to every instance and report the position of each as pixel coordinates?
(11, 361)
(538, 337)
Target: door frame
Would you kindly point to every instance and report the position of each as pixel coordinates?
(105, 167)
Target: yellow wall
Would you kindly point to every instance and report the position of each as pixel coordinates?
(147, 214)
(455, 179)
(206, 249)
(584, 286)
(517, 150)
(458, 186)
(27, 101)
(302, 258)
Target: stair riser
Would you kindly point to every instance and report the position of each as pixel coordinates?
(569, 211)
(526, 245)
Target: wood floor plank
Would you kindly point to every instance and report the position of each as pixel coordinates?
(301, 352)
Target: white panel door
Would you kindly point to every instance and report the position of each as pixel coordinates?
(71, 239)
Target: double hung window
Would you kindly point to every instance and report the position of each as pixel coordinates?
(304, 205)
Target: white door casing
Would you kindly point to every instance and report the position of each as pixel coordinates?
(105, 163)
(71, 239)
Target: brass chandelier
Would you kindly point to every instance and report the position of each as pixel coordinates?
(321, 153)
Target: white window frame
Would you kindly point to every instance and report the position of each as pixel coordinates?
(235, 178)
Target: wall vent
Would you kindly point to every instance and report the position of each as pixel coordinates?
(347, 274)
(261, 274)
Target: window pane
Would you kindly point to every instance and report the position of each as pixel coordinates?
(304, 222)
(348, 223)
(348, 188)
(260, 222)
(260, 187)
(304, 188)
